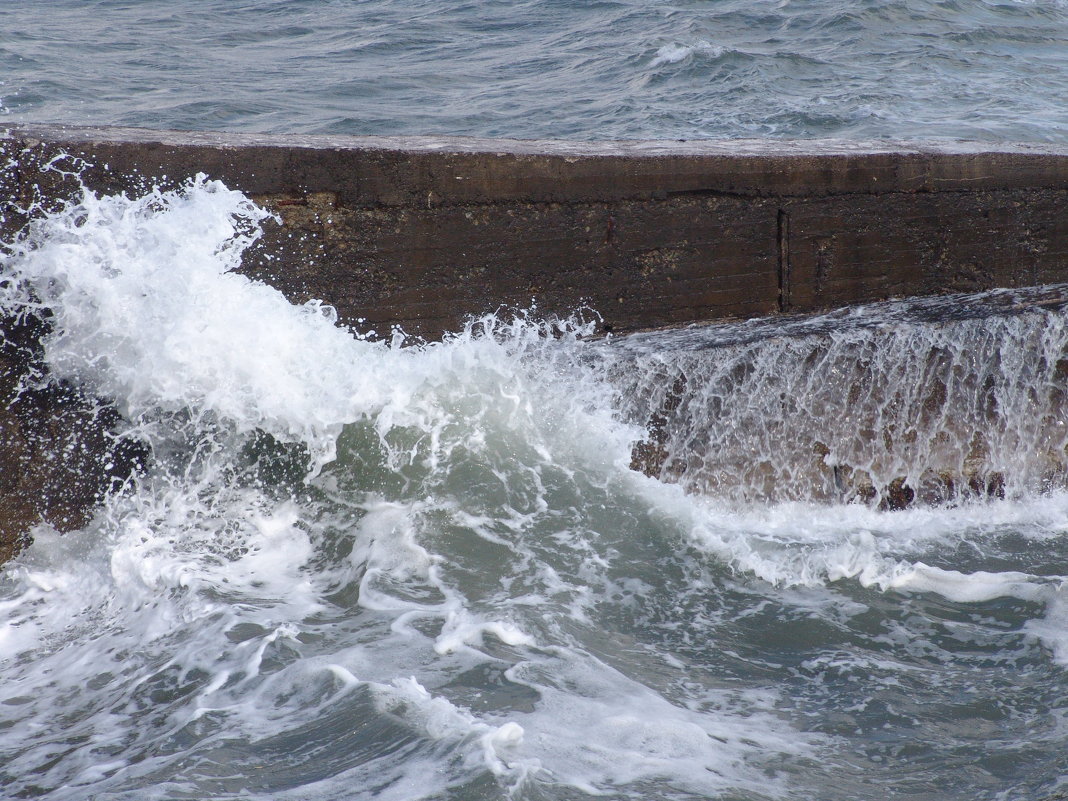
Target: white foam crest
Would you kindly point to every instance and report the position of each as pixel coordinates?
(149, 312)
(442, 720)
(517, 378)
(48, 596)
(809, 544)
(980, 585)
(242, 549)
(674, 52)
(398, 574)
(462, 629)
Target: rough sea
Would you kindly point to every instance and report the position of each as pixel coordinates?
(994, 70)
(366, 568)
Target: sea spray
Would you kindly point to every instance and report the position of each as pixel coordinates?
(356, 569)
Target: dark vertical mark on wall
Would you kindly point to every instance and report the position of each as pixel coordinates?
(824, 262)
(784, 260)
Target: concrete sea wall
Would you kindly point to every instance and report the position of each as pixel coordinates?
(421, 231)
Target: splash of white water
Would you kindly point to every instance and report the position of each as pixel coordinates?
(434, 600)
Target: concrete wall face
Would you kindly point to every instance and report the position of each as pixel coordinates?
(421, 232)
(853, 249)
(638, 263)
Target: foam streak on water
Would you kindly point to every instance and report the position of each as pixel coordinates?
(355, 569)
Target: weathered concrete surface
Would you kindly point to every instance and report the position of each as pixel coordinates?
(421, 231)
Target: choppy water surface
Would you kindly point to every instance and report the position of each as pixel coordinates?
(358, 570)
(994, 70)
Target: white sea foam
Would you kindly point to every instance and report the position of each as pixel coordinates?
(596, 730)
(148, 312)
(813, 544)
(198, 579)
(464, 590)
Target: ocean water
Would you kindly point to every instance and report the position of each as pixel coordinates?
(370, 569)
(992, 70)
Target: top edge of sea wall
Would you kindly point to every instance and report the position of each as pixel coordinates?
(503, 145)
(757, 166)
(421, 231)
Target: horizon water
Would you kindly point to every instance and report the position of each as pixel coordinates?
(368, 567)
(989, 70)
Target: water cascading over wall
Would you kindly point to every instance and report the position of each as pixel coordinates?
(922, 401)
